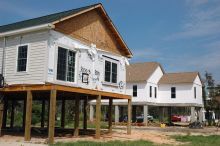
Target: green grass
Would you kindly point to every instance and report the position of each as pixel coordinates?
(110, 143)
(188, 140)
(212, 140)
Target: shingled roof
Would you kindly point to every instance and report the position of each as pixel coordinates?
(140, 71)
(178, 78)
(42, 20)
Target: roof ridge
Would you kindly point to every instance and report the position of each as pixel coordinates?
(51, 14)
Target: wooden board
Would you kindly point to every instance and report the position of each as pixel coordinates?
(48, 87)
(91, 27)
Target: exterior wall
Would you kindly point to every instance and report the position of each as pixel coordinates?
(184, 94)
(36, 61)
(84, 63)
(1, 53)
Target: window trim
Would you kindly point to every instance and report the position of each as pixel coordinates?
(172, 92)
(16, 66)
(76, 63)
(133, 90)
(111, 60)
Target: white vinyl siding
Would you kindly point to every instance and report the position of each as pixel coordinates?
(37, 58)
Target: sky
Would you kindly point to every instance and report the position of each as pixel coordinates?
(182, 35)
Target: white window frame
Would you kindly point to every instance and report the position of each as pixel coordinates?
(16, 66)
(76, 64)
(112, 61)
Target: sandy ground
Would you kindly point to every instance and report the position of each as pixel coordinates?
(154, 134)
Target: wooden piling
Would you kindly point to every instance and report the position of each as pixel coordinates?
(27, 134)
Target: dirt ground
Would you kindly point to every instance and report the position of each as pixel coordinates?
(154, 134)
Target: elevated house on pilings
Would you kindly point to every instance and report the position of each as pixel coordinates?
(72, 55)
(150, 86)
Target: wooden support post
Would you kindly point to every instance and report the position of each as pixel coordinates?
(12, 114)
(129, 117)
(5, 113)
(98, 117)
(85, 107)
(42, 113)
(1, 115)
(63, 113)
(24, 113)
(76, 120)
(110, 115)
(27, 134)
(53, 94)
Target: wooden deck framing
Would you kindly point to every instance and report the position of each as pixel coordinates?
(53, 90)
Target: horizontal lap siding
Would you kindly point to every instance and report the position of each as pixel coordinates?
(37, 55)
(1, 53)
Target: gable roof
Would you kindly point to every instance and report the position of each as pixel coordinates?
(61, 16)
(178, 78)
(141, 71)
(41, 20)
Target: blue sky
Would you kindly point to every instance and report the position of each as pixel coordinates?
(182, 35)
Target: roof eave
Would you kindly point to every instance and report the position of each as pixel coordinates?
(26, 30)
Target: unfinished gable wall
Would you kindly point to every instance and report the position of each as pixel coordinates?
(90, 27)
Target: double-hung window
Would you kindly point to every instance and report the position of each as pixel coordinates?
(150, 91)
(111, 71)
(173, 92)
(155, 92)
(194, 92)
(22, 58)
(134, 90)
(66, 65)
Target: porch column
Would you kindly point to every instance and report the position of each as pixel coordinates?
(116, 114)
(42, 113)
(12, 114)
(193, 119)
(53, 96)
(85, 107)
(110, 115)
(98, 117)
(76, 120)
(91, 112)
(1, 115)
(129, 117)
(200, 115)
(27, 134)
(63, 113)
(145, 114)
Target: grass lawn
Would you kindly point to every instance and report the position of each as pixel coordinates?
(213, 140)
(110, 143)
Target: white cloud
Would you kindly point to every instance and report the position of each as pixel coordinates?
(202, 19)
